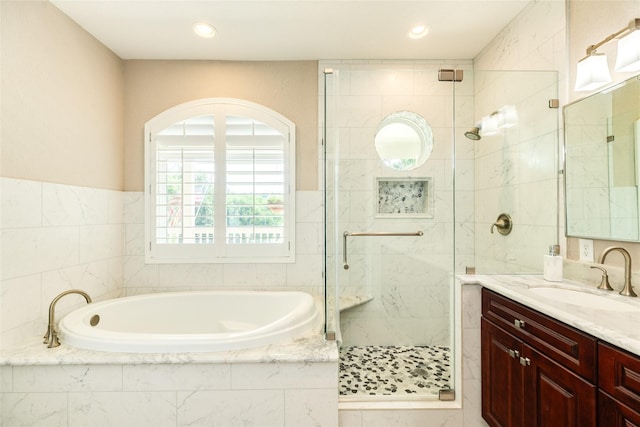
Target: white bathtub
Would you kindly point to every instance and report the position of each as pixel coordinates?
(176, 322)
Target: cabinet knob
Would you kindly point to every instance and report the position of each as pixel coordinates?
(525, 361)
(518, 323)
(514, 353)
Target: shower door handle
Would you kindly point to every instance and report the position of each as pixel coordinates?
(346, 234)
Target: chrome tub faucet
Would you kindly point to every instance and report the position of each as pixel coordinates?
(51, 336)
(627, 289)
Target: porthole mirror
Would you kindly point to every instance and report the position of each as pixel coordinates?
(404, 140)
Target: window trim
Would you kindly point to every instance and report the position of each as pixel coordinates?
(199, 253)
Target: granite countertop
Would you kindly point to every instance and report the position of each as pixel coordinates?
(618, 327)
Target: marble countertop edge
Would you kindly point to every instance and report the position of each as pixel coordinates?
(313, 349)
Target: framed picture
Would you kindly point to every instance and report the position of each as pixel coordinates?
(404, 198)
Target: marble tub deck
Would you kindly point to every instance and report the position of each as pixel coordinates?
(309, 349)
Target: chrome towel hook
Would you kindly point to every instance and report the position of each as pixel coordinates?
(504, 224)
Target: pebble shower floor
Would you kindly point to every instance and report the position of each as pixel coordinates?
(394, 370)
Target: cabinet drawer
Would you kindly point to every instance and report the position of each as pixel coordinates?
(619, 374)
(558, 341)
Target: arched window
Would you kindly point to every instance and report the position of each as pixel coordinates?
(219, 181)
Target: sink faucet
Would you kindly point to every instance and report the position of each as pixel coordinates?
(51, 337)
(627, 289)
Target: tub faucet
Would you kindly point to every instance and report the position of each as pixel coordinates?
(627, 289)
(51, 337)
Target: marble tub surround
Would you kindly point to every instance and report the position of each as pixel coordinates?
(290, 384)
(616, 327)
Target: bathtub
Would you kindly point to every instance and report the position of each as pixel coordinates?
(204, 321)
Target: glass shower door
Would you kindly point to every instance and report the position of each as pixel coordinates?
(390, 234)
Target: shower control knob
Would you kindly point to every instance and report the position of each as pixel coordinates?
(503, 224)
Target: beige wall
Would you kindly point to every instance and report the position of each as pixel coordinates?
(590, 21)
(289, 88)
(62, 100)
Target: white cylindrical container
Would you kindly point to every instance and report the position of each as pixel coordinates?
(552, 269)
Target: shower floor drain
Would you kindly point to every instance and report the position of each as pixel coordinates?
(394, 370)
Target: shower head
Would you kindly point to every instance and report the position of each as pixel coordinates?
(473, 134)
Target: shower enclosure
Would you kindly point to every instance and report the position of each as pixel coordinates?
(390, 232)
(395, 236)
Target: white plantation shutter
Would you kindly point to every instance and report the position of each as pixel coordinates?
(184, 192)
(220, 187)
(255, 185)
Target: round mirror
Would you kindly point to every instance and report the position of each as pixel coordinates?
(404, 140)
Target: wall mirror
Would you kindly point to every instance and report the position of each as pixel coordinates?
(404, 140)
(602, 154)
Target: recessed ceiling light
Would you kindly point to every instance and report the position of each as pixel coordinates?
(418, 32)
(204, 30)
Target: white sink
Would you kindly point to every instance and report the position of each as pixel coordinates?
(582, 299)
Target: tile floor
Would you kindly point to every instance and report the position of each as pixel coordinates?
(394, 370)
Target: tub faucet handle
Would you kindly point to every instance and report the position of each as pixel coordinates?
(604, 283)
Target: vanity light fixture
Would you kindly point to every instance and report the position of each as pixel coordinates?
(629, 49)
(204, 30)
(418, 32)
(593, 70)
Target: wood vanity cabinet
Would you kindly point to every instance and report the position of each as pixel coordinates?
(619, 382)
(536, 371)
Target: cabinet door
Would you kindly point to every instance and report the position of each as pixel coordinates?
(554, 396)
(612, 413)
(501, 377)
(619, 375)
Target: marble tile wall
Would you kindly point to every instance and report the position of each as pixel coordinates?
(516, 172)
(236, 394)
(54, 238)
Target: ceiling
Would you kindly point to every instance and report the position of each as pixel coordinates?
(293, 29)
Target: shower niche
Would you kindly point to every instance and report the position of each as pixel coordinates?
(404, 198)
